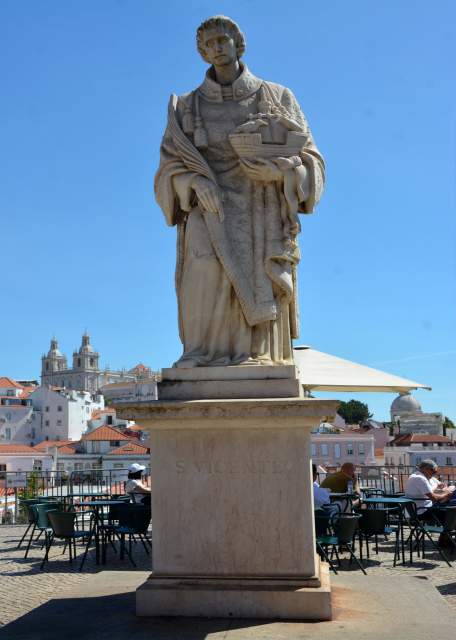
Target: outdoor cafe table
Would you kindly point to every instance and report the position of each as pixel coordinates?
(400, 501)
(345, 496)
(96, 506)
(86, 495)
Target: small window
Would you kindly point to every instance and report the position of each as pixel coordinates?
(361, 449)
(337, 450)
(91, 362)
(108, 419)
(88, 466)
(60, 408)
(47, 366)
(313, 449)
(32, 432)
(116, 466)
(58, 438)
(448, 460)
(46, 423)
(418, 461)
(47, 438)
(87, 410)
(79, 362)
(8, 433)
(324, 449)
(59, 423)
(60, 466)
(8, 416)
(95, 446)
(434, 459)
(78, 466)
(349, 449)
(33, 416)
(116, 443)
(9, 392)
(47, 409)
(386, 460)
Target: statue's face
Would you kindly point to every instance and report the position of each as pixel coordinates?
(219, 46)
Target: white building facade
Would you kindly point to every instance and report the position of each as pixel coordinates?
(65, 414)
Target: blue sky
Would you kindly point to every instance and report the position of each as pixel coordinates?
(85, 86)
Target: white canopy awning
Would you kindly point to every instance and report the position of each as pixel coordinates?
(322, 372)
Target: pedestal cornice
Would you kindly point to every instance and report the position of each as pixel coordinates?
(221, 414)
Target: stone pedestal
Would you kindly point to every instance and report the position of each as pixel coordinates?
(232, 507)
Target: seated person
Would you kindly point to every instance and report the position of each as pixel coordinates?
(321, 496)
(338, 482)
(420, 489)
(134, 487)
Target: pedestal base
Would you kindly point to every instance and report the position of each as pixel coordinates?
(236, 598)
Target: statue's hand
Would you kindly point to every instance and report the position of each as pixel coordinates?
(262, 169)
(207, 194)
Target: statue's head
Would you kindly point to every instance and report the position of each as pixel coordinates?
(218, 25)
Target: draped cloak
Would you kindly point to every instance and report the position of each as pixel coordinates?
(253, 315)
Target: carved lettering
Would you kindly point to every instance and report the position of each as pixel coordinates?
(235, 466)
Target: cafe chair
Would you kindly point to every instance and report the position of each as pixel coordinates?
(42, 523)
(374, 522)
(420, 529)
(63, 527)
(134, 519)
(343, 528)
(30, 518)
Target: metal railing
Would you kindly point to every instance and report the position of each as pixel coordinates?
(391, 478)
(22, 485)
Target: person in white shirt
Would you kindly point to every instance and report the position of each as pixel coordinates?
(321, 496)
(420, 489)
(134, 487)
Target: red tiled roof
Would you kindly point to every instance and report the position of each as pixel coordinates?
(105, 432)
(27, 391)
(96, 414)
(409, 438)
(8, 382)
(51, 443)
(18, 448)
(139, 367)
(130, 447)
(67, 449)
(10, 492)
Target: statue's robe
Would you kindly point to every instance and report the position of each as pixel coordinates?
(236, 279)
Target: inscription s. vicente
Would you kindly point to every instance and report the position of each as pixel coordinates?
(233, 466)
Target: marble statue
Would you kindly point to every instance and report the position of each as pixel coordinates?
(237, 166)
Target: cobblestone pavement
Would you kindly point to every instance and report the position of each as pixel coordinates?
(24, 587)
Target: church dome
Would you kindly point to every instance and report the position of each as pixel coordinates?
(54, 352)
(86, 348)
(405, 402)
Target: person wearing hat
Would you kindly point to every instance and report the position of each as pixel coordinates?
(134, 487)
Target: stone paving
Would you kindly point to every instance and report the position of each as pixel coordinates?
(24, 587)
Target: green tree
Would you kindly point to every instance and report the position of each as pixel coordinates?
(353, 411)
(447, 424)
